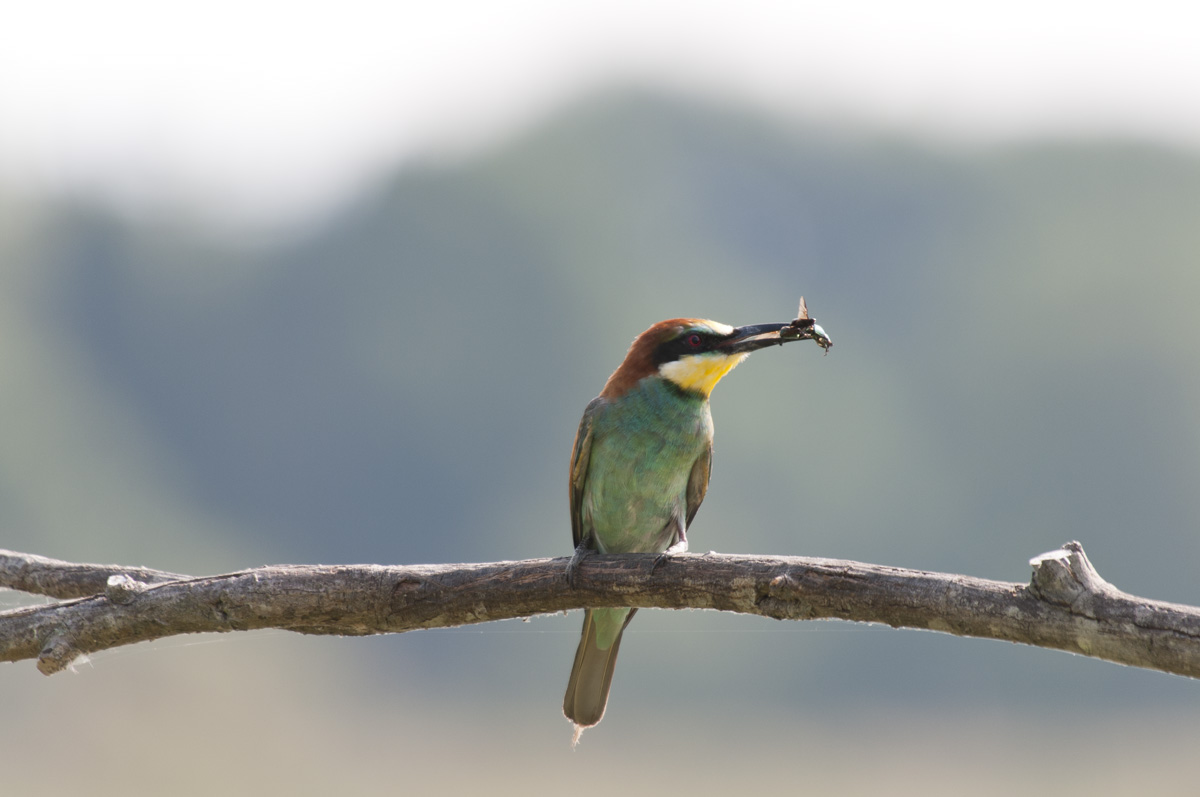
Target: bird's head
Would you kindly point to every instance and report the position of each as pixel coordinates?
(694, 353)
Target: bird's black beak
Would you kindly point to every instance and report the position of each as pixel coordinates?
(758, 336)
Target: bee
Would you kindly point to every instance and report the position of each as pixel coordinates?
(803, 326)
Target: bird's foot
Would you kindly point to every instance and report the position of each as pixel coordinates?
(679, 547)
(581, 552)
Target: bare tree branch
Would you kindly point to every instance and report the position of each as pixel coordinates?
(55, 578)
(1067, 605)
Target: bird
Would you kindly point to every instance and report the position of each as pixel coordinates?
(640, 465)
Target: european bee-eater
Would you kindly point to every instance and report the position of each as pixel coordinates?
(640, 466)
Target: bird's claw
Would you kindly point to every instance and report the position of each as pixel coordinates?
(661, 559)
(581, 552)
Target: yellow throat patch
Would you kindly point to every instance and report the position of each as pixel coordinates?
(700, 372)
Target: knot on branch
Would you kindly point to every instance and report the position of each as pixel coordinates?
(57, 655)
(121, 589)
(415, 594)
(782, 598)
(1066, 577)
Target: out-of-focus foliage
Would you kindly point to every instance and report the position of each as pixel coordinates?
(1014, 366)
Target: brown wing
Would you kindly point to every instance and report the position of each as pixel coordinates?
(698, 483)
(802, 313)
(581, 455)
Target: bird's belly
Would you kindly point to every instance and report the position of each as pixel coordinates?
(637, 525)
(636, 500)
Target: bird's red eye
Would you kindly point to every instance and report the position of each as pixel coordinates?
(694, 341)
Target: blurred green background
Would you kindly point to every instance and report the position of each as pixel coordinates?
(1015, 366)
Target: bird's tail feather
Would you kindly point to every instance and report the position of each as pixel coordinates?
(591, 677)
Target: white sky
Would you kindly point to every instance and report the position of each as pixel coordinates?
(263, 109)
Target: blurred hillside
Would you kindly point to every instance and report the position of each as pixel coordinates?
(1014, 367)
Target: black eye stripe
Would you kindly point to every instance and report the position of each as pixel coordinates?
(694, 342)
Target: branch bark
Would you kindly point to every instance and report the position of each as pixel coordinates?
(1066, 605)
